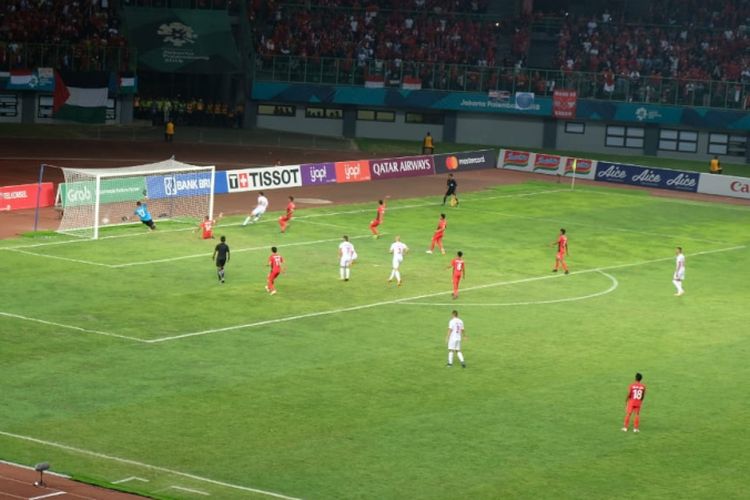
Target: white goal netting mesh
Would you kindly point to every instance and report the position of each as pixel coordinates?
(92, 198)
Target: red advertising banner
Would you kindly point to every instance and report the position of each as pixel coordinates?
(518, 159)
(25, 196)
(352, 171)
(564, 103)
(582, 166)
(547, 163)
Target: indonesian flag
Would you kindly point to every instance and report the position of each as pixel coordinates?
(21, 77)
(411, 83)
(80, 97)
(374, 82)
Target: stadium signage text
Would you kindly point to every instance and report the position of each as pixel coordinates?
(187, 184)
(318, 173)
(263, 178)
(647, 177)
(725, 185)
(547, 162)
(26, 195)
(352, 171)
(390, 168)
(473, 160)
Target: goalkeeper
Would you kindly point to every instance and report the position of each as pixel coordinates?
(141, 210)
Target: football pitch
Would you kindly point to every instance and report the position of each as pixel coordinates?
(125, 360)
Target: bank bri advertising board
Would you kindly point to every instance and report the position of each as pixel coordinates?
(178, 185)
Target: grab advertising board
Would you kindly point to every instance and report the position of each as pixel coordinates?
(461, 162)
(74, 194)
(724, 185)
(352, 171)
(253, 179)
(409, 166)
(314, 174)
(25, 196)
(636, 175)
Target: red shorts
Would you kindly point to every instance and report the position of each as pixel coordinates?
(375, 223)
(456, 278)
(560, 255)
(438, 236)
(273, 275)
(634, 406)
(208, 236)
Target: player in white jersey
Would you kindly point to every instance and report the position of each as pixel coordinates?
(259, 210)
(347, 256)
(398, 249)
(679, 271)
(453, 338)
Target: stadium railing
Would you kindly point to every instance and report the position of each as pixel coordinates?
(74, 57)
(463, 78)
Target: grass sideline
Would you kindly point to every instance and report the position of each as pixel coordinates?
(358, 404)
(397, 147)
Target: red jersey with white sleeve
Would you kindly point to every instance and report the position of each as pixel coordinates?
(636, 394)
(458, 266)
(207, 227)
(275, 261)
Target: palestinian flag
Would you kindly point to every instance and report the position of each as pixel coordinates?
(80, 97)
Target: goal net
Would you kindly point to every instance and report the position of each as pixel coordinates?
(92, 198)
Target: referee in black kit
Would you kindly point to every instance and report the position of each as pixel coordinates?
(221, 256)
(452, 185)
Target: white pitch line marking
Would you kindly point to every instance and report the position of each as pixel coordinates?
(68, 327)
(127, 461)
(181, 488)
(418, 297)
(49, 495)
(613, 286)
(57, 257)
(130, 478)
(266, 221)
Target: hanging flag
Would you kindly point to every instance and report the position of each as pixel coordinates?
(128, 84)
(80, 97)
(41, 79)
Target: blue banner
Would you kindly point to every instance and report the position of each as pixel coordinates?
(220, 182)
(523, 104)
(168, 186)
(635, 175)
(695, 117)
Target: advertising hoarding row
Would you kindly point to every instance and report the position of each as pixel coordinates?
(544, 163)
(25, 196)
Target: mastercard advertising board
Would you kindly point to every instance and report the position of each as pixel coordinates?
(468, 160)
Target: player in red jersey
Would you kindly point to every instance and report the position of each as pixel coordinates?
(459, 272)
(284, 219)
(437, 238)
(207, 227)
(274, 262)
(562, 251)
(633, 402)
(378, 219)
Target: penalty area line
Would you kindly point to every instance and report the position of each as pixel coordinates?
(69, 327)
(419, 297)
(143, 465)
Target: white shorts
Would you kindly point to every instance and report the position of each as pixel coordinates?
(345, 261)
(454, 342)
(397, 262)
(258, 211)
(679, 276)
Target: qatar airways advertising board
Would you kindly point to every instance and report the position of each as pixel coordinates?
(410, 166)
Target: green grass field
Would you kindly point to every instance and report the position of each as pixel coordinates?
(124, 357)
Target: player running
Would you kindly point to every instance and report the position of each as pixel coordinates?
(398, 249)
(378, 219)
(679, 272)
(207, 227)
(274, 262)
(453, 339)
(141, 210)
(633, 402)
(258, 211)
(347, 256)
(437, 238)
(459, 271)
(284, 219)
(221, 256)
(562, 251)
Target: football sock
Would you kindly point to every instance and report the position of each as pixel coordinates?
(460, 357)
(636, 421)
(678, 285)
(347, 272)
(393, 273)
(398, 276)
(450, 357)
(342, 272)
(247, 221)
(627, 421)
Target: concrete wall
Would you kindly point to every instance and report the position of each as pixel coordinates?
(298, 123)
(499, 130)
(398, 129)
(10, 97)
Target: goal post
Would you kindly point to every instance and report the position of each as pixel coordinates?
(92, 198)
